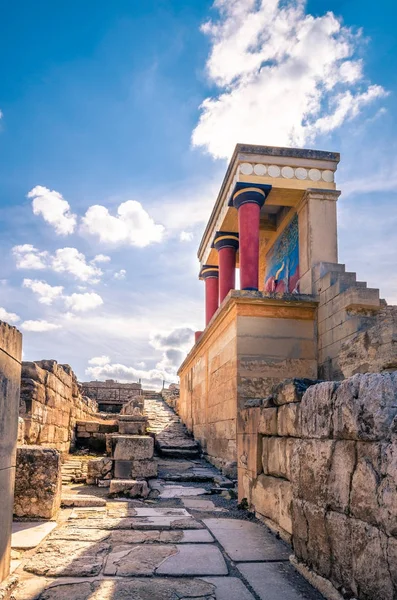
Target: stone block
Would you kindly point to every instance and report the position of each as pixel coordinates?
(289, 420)
(38, 482)
(343, 463)
(370, 562)
(129, 488)
(267, 424)
(364, 502)
(365, 407)
(131, 425)
(135, 469)
(98, 469)
(279, 452)
(133, 447)
(339, 535)
(291, 390)
(250, 452)
(310, 467)
(317, 410)
(272, 498)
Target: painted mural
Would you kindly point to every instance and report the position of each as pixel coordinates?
(282, 262)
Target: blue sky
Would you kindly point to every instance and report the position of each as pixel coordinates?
(110, 162)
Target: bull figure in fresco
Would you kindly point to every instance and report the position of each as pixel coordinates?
(282, 262)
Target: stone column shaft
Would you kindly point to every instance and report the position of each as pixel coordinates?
(210, 274)
(227, 244)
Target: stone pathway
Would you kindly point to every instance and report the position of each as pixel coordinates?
(186, 544)
(172, 438)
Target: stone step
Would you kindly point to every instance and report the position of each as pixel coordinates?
(82, 501)
(178, 452)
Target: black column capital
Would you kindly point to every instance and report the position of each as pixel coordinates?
(225, 239)
(209, 271)
(249, 193)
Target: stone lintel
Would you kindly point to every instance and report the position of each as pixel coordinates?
(253, 303)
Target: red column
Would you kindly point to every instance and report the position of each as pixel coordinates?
(210, 275)
(227, 244)
(249, 201)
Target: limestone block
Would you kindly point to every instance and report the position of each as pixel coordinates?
(365, 407)
(387, 491)
(343, 463)
(92, 427)
(31, 370)
(99, 468)
(291, 390)
(249, 455)
(289, 420)
(132, 425)
(339, 535)
(318, 546)
(135, 469)
(310, 467)
(279, 453)
(364, 503)
(317, 410)
(129, 488)
(370, 565)
(38, 482)
(272, 498)
(133, 447)
(267, 424)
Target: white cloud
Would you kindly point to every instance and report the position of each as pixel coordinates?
(186, 236)
(83, 302)
(39, 326)
(9, 317)
(132, 225)
(29, 257)
(120, 274)
(99, 361)
(54, 209)
(101, 258)
(65, 260)
(284, 76)
(70, 260)
(124, 373)
(47, 293)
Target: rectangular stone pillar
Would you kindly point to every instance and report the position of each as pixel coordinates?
(10, 378)
(318, 241)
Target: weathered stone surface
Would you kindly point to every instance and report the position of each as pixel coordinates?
(123, 469)
(317, 410)
(133, 447)
(99, 468)
(138, 589)
(291, 390)
(271, 497)
(69, 559)
(366, 478)
(339, 535)
(128, 487)
(310, 467)
(191, 559)
(134, 406)
(289, 420)
(267, 424)
(373, 350)
(365, 407)
(276, 456)
(127, 561)
(370, 566)
(245, 541)
(38, 482)
(343, 463)
(132, 425)
(277, 581)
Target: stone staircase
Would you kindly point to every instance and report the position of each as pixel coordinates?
(172, 438)
(74, 470)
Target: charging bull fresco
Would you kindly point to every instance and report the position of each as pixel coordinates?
(282, 262)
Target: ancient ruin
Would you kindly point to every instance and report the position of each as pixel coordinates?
(271, 474)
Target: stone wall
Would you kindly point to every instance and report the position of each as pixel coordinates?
(110, 395)
(10, 377)
(51, 404)
(92, 435)
(346, 307)
(323, 470)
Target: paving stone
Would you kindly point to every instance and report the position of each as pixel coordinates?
(55, 558)
(277, 581)
(127, 561)
(29, 534)
(198, 504)
(164, 522)
(80, 535)
(81, 501)
(136, 589)
(176, 491)
(229, 588)
(194, 559)
(244, 541)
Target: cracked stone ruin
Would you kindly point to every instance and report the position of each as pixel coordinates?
(270, 473)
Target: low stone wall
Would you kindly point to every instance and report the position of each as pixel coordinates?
(323, 469)
(92, 435)
(38, 482)
(51, 404)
